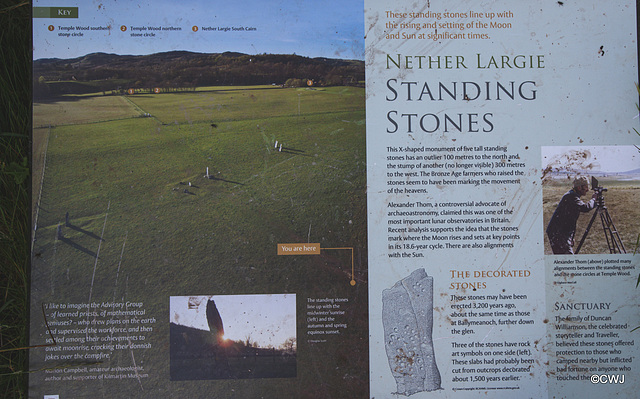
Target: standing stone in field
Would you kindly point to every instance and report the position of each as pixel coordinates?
(59, 232)
(66, 219)
(221, 369)
(214, 320)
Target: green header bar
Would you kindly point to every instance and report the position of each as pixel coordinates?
(55, 12)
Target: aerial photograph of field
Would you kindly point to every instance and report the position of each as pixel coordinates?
(178, 178)
(616, 171)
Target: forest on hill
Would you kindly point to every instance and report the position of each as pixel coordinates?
(187, 70)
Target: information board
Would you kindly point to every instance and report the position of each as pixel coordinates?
(347, 199)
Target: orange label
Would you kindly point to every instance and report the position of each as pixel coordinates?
(299, 249)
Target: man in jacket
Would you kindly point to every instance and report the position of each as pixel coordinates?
(562, 226)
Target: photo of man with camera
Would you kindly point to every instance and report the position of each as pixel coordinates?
(562, 226)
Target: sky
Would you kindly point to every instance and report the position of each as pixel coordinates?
(610, 159)
(269, 319)
(330, 28)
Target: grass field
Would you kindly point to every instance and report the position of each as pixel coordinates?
(621, 200)
(124, 176)
(82, 109)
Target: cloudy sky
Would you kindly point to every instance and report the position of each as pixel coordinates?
(331, 28)
(610, 159)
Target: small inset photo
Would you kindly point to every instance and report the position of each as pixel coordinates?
(590, 199)
(233, 336)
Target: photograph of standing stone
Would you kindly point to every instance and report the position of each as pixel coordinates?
(407, 318)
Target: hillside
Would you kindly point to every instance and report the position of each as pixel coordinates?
(182, 69)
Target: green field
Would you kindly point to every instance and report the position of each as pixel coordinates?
(121, 167)
(621, 200)
(82, 109)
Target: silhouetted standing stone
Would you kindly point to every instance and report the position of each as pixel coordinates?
(214, 320)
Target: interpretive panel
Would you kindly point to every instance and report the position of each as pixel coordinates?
(354, 199)
(199, 225)
(501, 164)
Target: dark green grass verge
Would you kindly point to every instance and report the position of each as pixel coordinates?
(15, 114)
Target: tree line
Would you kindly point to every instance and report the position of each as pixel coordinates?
(181, 69)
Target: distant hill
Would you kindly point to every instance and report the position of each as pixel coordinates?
(562, 174)
(184, 69)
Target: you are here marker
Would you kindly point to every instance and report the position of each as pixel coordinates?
(312, 249)
(299, 249)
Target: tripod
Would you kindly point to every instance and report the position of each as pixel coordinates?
(610, 233)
